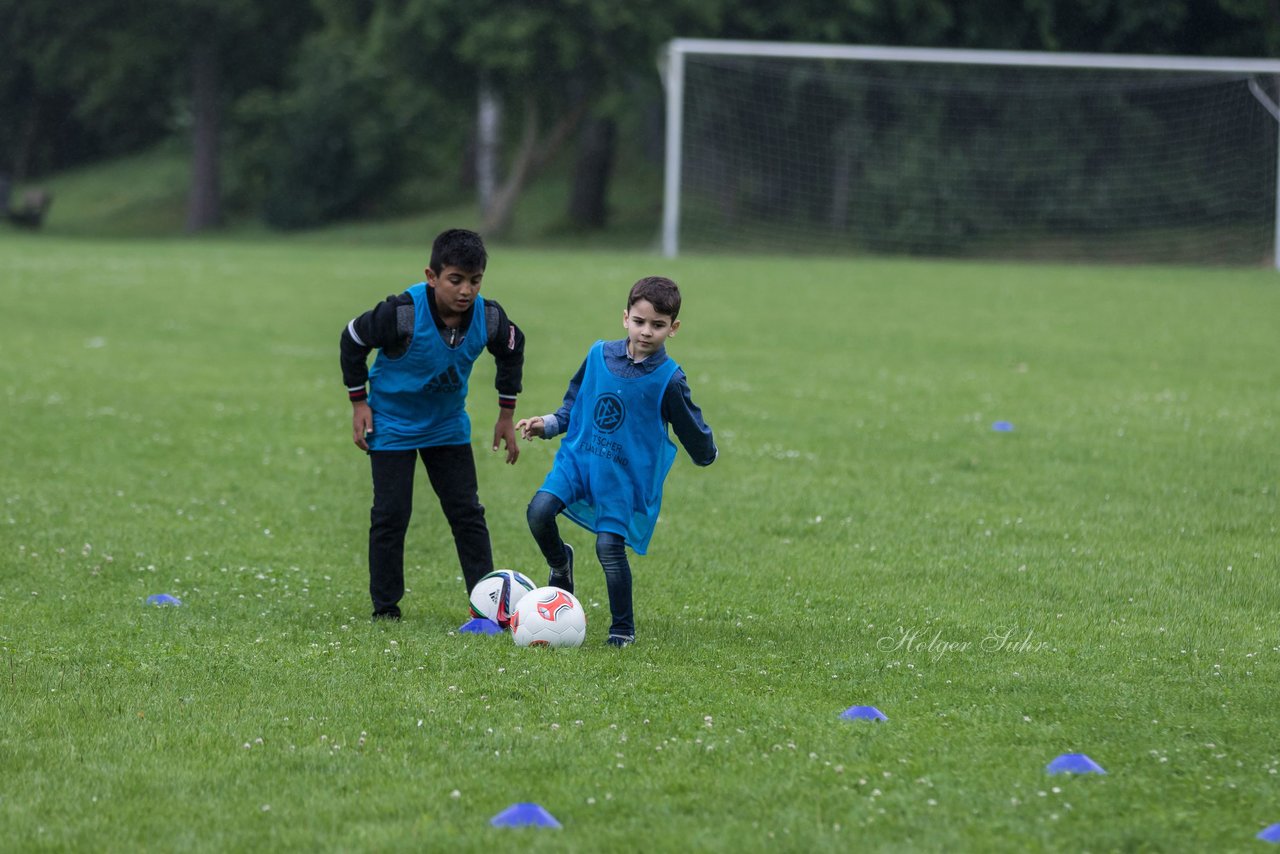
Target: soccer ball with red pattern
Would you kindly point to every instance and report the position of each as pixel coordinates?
(548, 616)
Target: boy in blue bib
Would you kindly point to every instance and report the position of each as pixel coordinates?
(609, 470)
(428, 338)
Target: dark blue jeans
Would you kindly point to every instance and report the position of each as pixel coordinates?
(611, 550)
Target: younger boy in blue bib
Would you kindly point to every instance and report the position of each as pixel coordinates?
(609, 470)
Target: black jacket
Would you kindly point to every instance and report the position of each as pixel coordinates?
(389, 325)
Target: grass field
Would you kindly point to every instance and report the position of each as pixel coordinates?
(145, 195)
(1101, 579)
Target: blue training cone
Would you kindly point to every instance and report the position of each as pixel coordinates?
(1002, 427)
(163, 599)
(524, 815)
(1074, 763)
(1270, 834)
(480, 626)
(863, 713)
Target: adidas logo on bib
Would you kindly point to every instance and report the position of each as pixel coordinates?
(446, 382)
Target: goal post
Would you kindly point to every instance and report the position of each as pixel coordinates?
(861, 149)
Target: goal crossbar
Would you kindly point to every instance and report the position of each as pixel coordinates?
(1027, 58)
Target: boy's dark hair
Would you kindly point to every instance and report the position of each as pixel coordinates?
(459, 248)
(662, 293)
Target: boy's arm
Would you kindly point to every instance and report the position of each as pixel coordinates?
(558, 422)
(685, 418)
(506, 344)
(386, 326)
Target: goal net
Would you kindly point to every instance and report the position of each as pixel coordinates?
(859, 150)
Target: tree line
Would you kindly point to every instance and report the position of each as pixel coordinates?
(310, 111)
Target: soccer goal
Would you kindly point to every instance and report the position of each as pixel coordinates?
(997, 154)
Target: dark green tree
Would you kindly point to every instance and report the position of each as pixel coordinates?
(559, 70)
(128, 71)
(62, 103)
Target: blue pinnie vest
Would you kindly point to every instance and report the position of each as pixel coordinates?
(419, 398)
(611, 465)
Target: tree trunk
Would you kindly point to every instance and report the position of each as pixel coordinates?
(28, 137)
(488, 146)
(530, 158)
(841, 179)
(588, 199)
(204, 203)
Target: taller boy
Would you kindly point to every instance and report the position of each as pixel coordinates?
(428, 339)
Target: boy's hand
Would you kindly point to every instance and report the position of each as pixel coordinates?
(531, 427)
(361, 423)
(505, 432)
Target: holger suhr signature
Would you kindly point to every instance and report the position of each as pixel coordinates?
(1003, 639)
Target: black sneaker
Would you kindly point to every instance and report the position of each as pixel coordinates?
(621, 640)
(564, 578)
(392, 614)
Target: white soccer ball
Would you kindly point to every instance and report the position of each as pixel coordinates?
(495, 595)
(549, 616)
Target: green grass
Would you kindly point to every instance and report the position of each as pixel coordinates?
(176, 423)
(145, 195)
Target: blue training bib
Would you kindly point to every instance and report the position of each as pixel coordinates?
(419, 399)
(611, 465)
